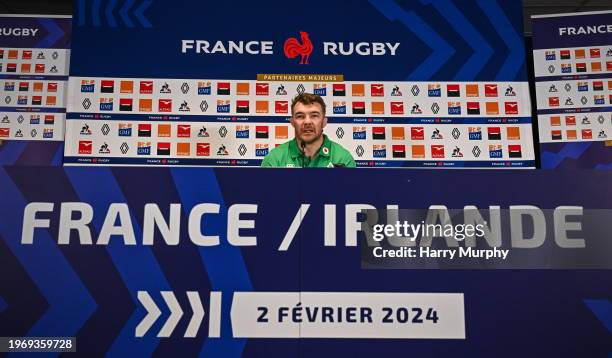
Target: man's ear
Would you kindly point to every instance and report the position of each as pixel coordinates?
(324, 122)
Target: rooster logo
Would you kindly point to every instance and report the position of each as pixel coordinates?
(293, 48)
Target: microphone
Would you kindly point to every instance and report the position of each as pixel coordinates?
(303, 155)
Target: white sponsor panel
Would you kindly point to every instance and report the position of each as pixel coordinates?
(573, 85)
(229, 109)
(348, 315)
(253, 140)
(34, 97)
(185, 97)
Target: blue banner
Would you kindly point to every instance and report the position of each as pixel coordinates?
(235, 67)
(419, 40)
(192, 261)
(565, 30)
(34, 59)
(573, 61)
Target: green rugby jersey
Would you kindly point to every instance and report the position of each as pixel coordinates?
(288, 155)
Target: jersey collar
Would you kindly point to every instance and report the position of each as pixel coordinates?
(324, 150)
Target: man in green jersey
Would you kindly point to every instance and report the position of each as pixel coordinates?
(310, 148)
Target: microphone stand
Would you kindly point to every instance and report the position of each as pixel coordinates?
(303, 155)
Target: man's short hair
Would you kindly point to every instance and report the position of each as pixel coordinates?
(308, 99)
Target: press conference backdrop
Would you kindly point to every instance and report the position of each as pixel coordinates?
(573, 70)
(34, 61)
(123, 294)
(416, 84)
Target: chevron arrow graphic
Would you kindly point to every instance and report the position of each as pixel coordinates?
(176, 313)
(465, 29)
(69, 300)
(602, 309)
(123, 12)
(570, 150)
(54, 33)
(153, 313)
(129, 263)
(95, 13)
(198, 314)
(80, 13)
(109, 13)
(442, 51)
(139, 13)
(503, 26)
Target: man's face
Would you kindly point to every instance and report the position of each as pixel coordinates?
(308, 122)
